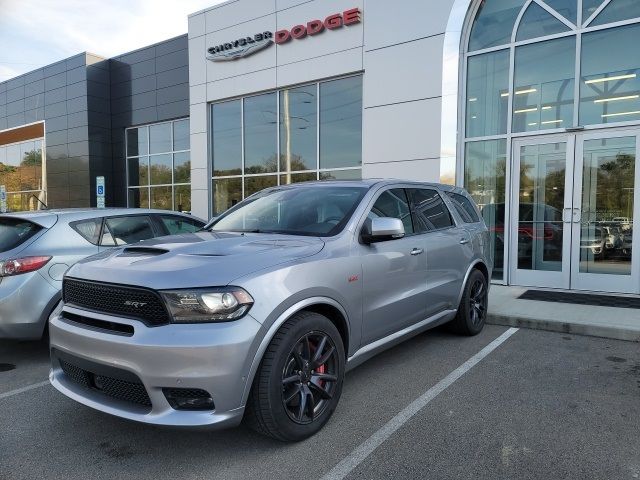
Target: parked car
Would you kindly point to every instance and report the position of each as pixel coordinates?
(260, 314)
(36, 248)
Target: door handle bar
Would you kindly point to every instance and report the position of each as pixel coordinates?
(464, 241)
(417, 251)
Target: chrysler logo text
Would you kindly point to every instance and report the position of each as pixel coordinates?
(243, 47)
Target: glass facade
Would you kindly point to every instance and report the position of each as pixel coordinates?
(21, 173)
(298, 134)
(534, 67)
(159, 166)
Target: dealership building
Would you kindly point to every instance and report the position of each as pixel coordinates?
(532, 105)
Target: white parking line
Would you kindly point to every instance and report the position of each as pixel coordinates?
(357, 456)
(17, 391)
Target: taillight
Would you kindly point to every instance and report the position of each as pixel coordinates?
(22, 265)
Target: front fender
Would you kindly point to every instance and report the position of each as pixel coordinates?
(269, 329)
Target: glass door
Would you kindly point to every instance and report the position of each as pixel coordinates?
(540, 233)
(604, 202)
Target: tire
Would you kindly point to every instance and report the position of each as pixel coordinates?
(290, 371)
(472, 311)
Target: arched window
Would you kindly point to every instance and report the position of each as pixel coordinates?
(541, 66)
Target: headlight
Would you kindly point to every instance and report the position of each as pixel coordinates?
(207, 304)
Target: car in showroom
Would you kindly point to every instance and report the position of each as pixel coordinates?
(36, 248)
(259, 315)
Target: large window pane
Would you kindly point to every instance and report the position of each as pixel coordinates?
(182, 167)
(260, 134)
(355, 174)
(255, 184)
(160, 138)
(298, 129)
(226, 193)
(181, 135)
(484, 178)
(567, 8)
(160, 169)
(138, 171)
(544, 79)
(162, 198)
(487, 94)
(494, 23)
(297, 178)
(610, 83)
(341, 123)
(618, 10)
(589, 7)
(182, 198)
(227, 138)
(537, 22)
(138, 198)
(137, 141)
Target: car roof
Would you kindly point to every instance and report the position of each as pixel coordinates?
(47, 218)
(370, 182)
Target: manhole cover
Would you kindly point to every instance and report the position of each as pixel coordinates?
(5, 367)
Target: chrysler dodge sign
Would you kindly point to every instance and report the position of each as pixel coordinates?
(243, 47)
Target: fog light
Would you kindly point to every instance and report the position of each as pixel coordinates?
(188, 399)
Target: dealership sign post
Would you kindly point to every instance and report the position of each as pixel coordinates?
(3, 199)
(243, 47)
(100, 192)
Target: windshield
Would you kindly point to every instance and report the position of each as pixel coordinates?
(313, 210)
(15, 231)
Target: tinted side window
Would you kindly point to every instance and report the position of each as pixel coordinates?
(14, 232)
(129, 229)
(88, 229)
(429, 210)
(176, 225)
(393, 203)
(464, 207)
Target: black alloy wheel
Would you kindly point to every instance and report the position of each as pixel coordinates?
(299, 382)
(478, 302)
(309, 377)
(472, 311)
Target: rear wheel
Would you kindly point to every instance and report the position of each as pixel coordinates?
(299, 382)
(472, 312)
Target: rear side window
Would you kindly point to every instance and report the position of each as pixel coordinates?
(125, 230)
(15, 231)
(393, 203)
(464, 207)
(88, 229)
(176, 225)
(429, 210)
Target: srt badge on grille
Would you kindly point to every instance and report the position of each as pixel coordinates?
(131, 303)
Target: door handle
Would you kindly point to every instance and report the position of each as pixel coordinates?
(464, 241)
(417, 251)
(576, 215)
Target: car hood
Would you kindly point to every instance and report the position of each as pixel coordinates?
(192, 260)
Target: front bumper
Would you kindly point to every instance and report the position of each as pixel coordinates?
(25, 302)
(214, 357)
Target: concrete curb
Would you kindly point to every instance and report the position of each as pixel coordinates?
(575, 328)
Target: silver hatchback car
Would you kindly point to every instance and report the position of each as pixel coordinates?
(36, 248)
(260, 314)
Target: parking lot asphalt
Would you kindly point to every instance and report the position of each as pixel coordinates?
(541, 405)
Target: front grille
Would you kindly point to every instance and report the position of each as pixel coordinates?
(139, 303)
(132, 392)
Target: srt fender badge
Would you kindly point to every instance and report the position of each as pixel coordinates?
(353, 278)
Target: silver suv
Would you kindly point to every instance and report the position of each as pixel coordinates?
(259, 314)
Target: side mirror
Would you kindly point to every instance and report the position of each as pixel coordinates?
(382, 229)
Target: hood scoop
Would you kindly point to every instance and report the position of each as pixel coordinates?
(142, 252)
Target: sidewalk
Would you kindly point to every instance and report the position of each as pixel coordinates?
(506, 309)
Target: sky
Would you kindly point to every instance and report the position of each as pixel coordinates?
(35, 33)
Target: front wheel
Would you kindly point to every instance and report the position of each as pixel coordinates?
(472, 312)
(299, 382)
